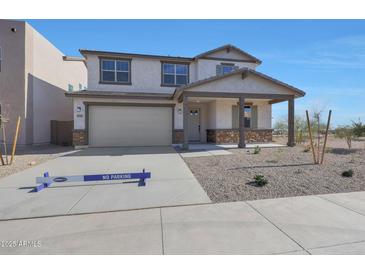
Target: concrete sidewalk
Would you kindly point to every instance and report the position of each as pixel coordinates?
(324, 224)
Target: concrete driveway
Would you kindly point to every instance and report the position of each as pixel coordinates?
(172, 184)
(324, 224)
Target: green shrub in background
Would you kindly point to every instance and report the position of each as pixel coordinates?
(345, 132)
(358, 128)
(300, 127)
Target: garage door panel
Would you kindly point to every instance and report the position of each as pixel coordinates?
(130, 126)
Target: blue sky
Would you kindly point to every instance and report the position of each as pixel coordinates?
(325, 58)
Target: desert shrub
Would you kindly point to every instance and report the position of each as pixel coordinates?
(300, 128)
(345, 132)
(281, 127)
(260, 180)
(347, 173)
(257, 150)
(358, 128)
(318, 123)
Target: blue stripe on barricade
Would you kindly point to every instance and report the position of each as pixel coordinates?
(89, 178)
(117, 176)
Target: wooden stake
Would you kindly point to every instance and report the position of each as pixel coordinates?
(325, 137)
(4, 144)
(1, 155)
(310, 137)
(318, 139)
(15, 140)
(1, 159)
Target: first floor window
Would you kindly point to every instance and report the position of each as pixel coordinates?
(175, 74)
(250, 118)
(115, 71)
(247, 117)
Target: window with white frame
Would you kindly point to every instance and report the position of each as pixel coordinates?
(115, 71)
(250, 118)
(175, 74)
(225, 68)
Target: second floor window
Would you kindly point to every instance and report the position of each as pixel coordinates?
(175, 74)
(225, 68)
(115, 71)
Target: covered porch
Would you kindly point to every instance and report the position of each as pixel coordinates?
(233, 109)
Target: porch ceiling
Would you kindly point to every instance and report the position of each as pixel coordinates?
(233, 100)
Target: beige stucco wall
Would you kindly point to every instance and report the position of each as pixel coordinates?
(212, 110)
(33, 80)
(264, 114)
(220, 113)
(48, 77)
(12, 98)
(146, 73)
(207, 68)
(179, 116)
(145, 76)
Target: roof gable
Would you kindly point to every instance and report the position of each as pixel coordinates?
(229, 52)
(243, 80)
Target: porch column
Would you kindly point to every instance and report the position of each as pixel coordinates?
(241, 115)
(291, 134)
(185, 122)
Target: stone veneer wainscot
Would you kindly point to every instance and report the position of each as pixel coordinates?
(79, 137)
(221, 136)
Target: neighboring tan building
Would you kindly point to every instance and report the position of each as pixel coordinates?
(145, 100)
(34, 75)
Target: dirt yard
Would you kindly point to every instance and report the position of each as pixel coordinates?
(29, 156)
(289, 171)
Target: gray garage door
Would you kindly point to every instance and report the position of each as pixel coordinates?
(130, 126)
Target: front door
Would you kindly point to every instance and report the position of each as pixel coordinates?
(194, 125)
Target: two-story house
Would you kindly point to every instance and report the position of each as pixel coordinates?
(146, 100)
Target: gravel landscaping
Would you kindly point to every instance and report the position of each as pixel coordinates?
(289, 171)
(28, 156)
